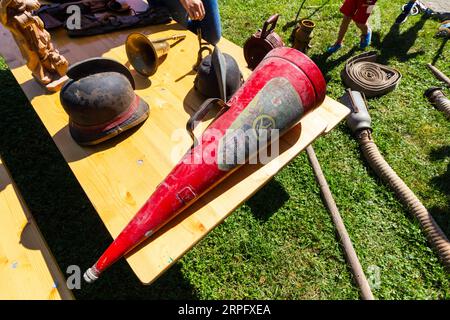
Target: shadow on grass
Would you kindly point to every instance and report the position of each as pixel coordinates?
(297, 19)
(326, 66)
(442, 215)
(438, 54)
(396, 44)
(74, 152)
(66, 218)
(268, 200)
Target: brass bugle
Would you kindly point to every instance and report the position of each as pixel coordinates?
(175, 38)
(145, 55)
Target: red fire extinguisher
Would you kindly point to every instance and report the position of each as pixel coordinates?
(283, 88)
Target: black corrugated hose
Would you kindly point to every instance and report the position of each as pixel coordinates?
(435, 235)
(360, 123)
(439, 100)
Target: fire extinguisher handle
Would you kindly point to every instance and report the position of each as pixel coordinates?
(197, 117)
(272, 22)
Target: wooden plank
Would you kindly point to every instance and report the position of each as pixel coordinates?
(120, 175)
(27, 268)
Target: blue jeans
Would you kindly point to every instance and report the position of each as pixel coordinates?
(210, 25)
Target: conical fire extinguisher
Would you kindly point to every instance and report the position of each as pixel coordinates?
(284, 87)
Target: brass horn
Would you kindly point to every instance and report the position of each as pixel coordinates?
(144, 54)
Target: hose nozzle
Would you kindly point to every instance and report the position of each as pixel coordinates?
(91, 275)
(359, 118)
(432, 92)
(439, 100)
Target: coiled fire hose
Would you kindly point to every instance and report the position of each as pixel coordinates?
(363, 74)
(359, 122)
(439, 100)
(350, 253)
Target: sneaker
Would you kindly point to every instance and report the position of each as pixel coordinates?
(402, 17)
(366, 40)
(335, 47)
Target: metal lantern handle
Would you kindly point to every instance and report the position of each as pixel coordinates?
(272, 23)
(201, 113)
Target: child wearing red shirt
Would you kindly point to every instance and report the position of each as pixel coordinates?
(359, 11)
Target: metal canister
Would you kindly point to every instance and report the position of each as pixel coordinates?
(262, 42)
(303, 35)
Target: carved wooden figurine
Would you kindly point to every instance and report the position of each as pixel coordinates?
(46, 64)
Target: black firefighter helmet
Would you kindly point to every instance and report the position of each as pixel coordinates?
(100, 101)
(218, 76)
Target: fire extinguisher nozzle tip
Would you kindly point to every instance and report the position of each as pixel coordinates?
(91, 275)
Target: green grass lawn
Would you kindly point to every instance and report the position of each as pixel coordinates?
(280, 244)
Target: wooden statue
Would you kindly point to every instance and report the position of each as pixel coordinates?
(46, 64)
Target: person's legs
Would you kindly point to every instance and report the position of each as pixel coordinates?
(177, 10)
(348, 9)
(363, 27)
(342, 31)
(366, 35)
(361, 19)
(210, 25)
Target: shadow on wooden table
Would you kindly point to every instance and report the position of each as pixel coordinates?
(193, 101)
(66, 218)
(74, 152)
(3, 182)
(34, 89)
(140, 81)
(29, 240)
